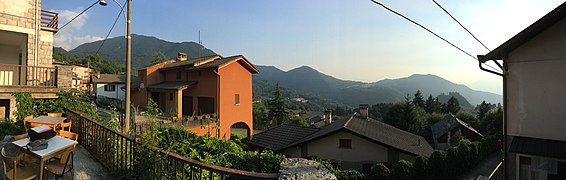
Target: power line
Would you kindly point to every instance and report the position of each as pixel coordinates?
(95, 2)
(116, 20)
(438, 36)
(460, 24)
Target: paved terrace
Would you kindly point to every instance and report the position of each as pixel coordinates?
(86, 167)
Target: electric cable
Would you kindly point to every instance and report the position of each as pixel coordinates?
(430, 31)
(95, 2)
(446, 11)
(110, 31)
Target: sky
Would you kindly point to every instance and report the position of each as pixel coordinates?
(348, 39)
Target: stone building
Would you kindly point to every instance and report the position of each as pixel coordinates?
(26, 50)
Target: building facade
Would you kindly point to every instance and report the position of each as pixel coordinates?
(26, 50)
(209, 85)
(533, 64)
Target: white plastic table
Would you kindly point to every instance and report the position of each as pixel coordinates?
(56, 146)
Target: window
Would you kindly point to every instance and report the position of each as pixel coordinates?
(237, 99)
(346, 143)
(110, 87)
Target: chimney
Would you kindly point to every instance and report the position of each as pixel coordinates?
(327, 116)
(364, 110)
(181, 56)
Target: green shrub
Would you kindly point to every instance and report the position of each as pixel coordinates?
(403, 170)
(349, 175)
(378, 171)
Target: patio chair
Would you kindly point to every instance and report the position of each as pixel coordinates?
(16, 172)
(69, 135)
(26, 119)
(26, 158)
(66, 126)
(62, 166)
(55, 114)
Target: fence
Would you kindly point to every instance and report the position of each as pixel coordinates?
(123, 154)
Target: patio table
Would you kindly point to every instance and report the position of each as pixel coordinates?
(47, 120)
(56, 146)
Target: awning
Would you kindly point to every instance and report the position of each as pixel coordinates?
(539, 147)
(172, 85)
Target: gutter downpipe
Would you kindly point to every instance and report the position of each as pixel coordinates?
(217, 101)
(37, 23)
(481, 60)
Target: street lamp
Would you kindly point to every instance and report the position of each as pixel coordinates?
(128, 61)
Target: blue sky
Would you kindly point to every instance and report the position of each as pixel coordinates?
(348, 39)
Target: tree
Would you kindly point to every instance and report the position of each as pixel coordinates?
(378, 111)
(405, 116)
(418, 99)
(261, 121)
(296, 120)
(432, 105)
(482, 109)
(452, 106)
(158, 57)
(277, 107)
(469, 118)
(456, 138)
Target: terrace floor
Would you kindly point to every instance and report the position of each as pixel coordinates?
(86, 167)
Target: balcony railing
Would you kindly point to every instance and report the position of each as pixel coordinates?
(49, 19)
(27, 76)
(121, 154)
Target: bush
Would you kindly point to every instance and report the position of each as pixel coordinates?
(9, 127)
(403, 170)
(378, 171)
(215, 151)
(349, 175)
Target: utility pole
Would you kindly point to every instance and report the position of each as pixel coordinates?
(128, 69)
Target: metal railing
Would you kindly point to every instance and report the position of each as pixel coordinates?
(123, 154)
(49, 19)
(23, 75)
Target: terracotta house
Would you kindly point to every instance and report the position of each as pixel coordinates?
(534, 91)
(207, 85)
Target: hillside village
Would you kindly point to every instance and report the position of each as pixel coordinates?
(193, 113)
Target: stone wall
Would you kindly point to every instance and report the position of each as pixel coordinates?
(299, 168)
(64, 77)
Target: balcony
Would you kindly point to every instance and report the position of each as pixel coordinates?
(27, 76)
(49, 21)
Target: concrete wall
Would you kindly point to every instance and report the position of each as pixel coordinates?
(362, 150)
(235, 79)
(536, 86)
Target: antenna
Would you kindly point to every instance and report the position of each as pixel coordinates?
(199, 44)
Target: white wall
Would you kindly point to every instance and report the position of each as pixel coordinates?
(117, 94)
(362, 149)
(536, 86)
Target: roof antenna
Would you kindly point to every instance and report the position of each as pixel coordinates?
(199, 45)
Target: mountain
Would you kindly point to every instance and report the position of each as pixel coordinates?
(307, 79)
(143, 48)
(435, 85)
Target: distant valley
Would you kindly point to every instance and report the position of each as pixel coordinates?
(352, 93)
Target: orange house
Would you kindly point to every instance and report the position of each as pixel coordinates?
(207, 85)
